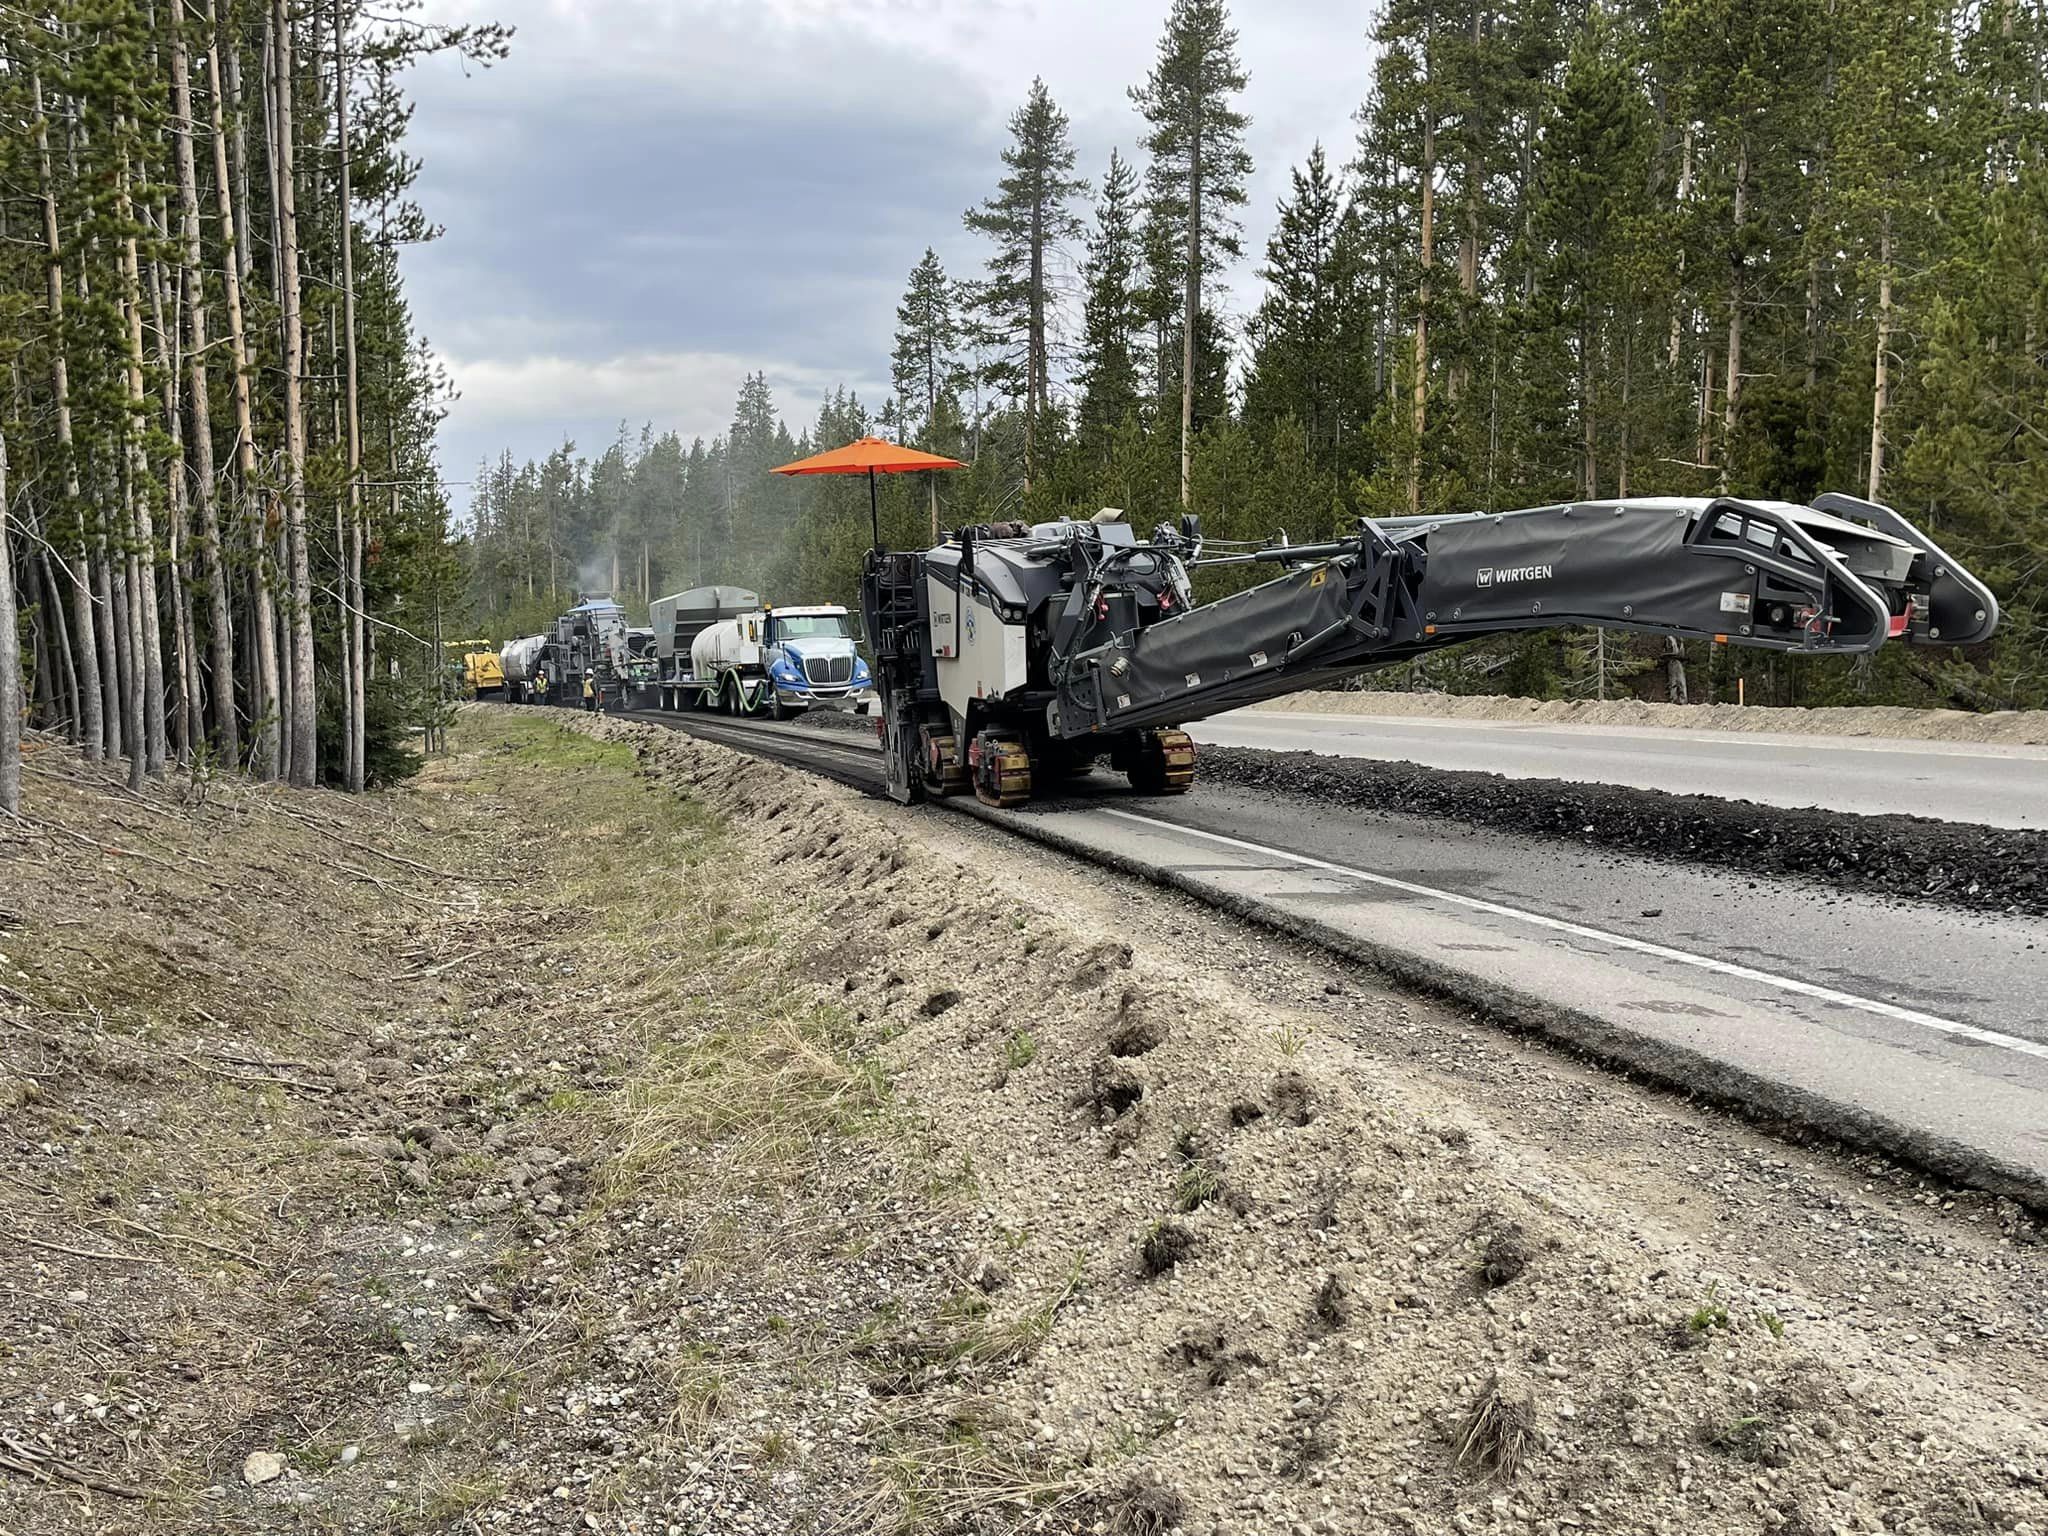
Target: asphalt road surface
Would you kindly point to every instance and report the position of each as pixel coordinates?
(1911, 1027)
(1995, 786)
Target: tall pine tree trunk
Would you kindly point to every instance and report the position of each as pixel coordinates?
(1589, 470)
(305, 757)
(265, 706)
(1732, 394)
(1419, 421)
(1628, 337)
(93, 683)
(183, 722)
(146, 629)
(1880, 392)
(1678, 298)
(1035, 370)
(205, 484)
(358, 672)
(10, 664)
(66, 658)
(1191, 308)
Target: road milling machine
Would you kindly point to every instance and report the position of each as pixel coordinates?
(1011, 656)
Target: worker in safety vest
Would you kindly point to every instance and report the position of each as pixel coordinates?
(590, 693)
(540, 687)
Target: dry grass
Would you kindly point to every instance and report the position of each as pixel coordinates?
(767, 1095)
(953, 1463)
(1497, 1432)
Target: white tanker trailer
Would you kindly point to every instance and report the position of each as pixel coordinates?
(722, 648)
(520, 660)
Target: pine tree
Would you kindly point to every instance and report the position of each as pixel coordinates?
(1112, 313)
(925, 370)
(1029, 222)
(1297, 366)
(1590, 168)
(1198, 170)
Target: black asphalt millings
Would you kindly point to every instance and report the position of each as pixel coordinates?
(1979, 869)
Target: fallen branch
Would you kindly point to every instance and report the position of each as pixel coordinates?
(79, 1253)
(42, 1467)
(93, 842)
(446, 965)
(180, 1237)
(250, 1077)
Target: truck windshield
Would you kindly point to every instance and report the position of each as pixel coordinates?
(831, 626)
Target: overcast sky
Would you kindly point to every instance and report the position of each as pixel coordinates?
(651, 198)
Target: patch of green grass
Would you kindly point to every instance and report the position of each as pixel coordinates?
(1020, 1050)
(1710, 1313)
(1773, 1324)
(1197, 1185)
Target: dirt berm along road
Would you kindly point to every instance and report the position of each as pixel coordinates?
(1872, 979)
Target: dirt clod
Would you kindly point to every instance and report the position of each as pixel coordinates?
(1137, 1029)
(1112, 1088)
(940, 1001)
(1145, 1508)
(1508, 1252)
(1336, 1298)
(1098, 963)
(984, 1273)
(1293, 1099)
(1164, 1247)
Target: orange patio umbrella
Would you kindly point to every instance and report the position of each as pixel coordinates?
(871, 456)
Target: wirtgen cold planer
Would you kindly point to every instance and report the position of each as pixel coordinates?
(1011, 656)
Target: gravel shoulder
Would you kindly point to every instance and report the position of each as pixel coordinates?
(680, 1143)
(2019, 728)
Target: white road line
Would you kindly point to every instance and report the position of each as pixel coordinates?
(1620, 941)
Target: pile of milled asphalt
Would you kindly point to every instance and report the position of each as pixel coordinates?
(1977, 868)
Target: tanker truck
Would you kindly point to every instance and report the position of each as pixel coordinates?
(521, 661)
(723, 648)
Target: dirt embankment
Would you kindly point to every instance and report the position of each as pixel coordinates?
(710, 1149)
(2015, 728)
(1976, 868)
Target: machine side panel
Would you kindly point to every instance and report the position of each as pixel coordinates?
(1247, 632)
(989, 659)
(1578, 564)
(940, 603)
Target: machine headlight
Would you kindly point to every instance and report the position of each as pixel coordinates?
(860, 671)
(785, 671)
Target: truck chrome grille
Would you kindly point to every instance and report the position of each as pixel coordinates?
(829, 669)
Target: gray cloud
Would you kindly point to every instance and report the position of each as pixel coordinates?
(653, 197)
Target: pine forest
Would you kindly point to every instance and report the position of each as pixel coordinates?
(226, 540)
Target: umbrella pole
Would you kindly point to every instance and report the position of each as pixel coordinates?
(874, 512)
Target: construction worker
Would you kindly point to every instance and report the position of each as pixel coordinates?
(540, 687)
(590, 693)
